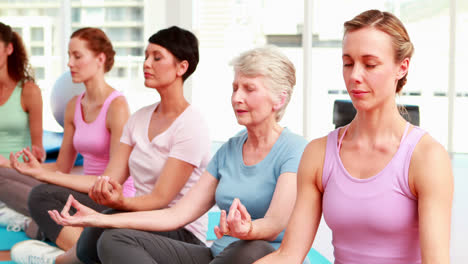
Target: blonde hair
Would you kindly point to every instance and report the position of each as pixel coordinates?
(276, 69)
(390, 24)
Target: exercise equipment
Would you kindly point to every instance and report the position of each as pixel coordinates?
(63, 91)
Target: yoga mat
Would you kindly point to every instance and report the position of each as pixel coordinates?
(8, 239)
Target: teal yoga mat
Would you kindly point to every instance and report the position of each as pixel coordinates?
(8, 239)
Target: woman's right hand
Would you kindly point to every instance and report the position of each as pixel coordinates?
(83, 217)
(31, 166)
(108, 192)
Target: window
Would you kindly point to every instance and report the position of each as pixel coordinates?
(37, 51)
(225, 29)
(39, 73)
(76, 15)
(115, 14)
(37, 34)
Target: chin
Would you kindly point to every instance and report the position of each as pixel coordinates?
(76, 80)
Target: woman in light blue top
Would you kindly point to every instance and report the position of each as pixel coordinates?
(252, 179)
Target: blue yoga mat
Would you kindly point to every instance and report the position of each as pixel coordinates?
(8, 239)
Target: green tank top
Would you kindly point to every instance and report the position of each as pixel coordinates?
(14, 125)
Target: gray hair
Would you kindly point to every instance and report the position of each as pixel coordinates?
(278, 72)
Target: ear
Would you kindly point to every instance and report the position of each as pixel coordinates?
(182, 68)
(281, 101)
(101, 57)
(10, 48)
(403, 68)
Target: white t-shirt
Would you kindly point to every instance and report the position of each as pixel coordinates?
(187, 139)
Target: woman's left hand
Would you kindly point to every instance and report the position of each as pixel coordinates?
(31, 166)
(83, 217)
(237, 224)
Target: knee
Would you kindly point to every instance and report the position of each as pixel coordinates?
(254, 247)
(104, 242)
(109, 240)
(246, 251)
(37, 194)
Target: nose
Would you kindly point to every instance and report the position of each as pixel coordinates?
(237, 96)
(146, 63)
(69, 64)
(356, 73)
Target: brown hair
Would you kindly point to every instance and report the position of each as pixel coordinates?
(18, 64)
(98, 42)
(390, 24)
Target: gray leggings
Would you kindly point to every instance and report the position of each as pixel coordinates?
(15, 188)
(14, 191)
(133, 246)
(46, 197)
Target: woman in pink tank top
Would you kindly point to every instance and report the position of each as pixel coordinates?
(94, 121)
(384, 186)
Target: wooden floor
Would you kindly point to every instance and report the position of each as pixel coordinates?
(4, 255)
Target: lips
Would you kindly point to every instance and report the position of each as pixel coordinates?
(147, 75)
(358, 92)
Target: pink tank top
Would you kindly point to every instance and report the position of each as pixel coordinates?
(92, 141)
(373, 220)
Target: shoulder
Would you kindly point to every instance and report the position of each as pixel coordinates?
(430, 164)
(293, 140)
(193, 116)
(143, 111)
(314, 154)
(311, 165)
(232, 143)
(315, 149)
(30, 89)
(72, 103)
(428, 150)
(119, 107)
(70, 109)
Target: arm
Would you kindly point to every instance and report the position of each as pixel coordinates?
(117, 115)
(193, 205)
(172, 179)
(431, 172)
(31, 99)
(302, 226)
(239, 224)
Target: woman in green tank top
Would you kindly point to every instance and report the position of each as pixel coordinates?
(20, 126)
(20, 100)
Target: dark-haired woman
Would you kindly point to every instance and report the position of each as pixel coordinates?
(164, 147)
(20, 126)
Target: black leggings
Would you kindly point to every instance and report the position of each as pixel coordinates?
(133, 246)
(46, 197)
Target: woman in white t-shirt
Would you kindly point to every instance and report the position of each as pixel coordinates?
(164, 147)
